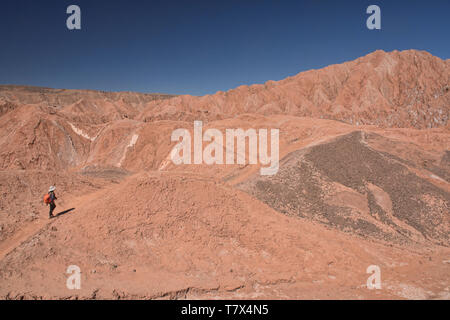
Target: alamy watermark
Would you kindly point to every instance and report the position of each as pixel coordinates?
(74, 280)
(73, 22)
(374, 281)
(374, 20)
(213, 153)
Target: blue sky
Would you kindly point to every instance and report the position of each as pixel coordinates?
(200, 47)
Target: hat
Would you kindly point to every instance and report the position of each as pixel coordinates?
(52, 188)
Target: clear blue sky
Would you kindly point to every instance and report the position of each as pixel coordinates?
(200, 47)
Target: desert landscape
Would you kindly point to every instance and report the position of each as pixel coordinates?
(363, 179)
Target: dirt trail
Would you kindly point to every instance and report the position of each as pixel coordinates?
(31, 229)
(71, 204)
(22, 236)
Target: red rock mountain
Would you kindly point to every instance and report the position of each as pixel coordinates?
(408, 89)
(364, 179)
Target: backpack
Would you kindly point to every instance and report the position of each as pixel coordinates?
(47, 199)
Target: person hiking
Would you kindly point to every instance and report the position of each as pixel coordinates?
(50, 200)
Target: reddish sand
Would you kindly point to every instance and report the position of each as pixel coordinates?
(363, 180)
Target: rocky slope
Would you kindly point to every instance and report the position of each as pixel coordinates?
(408, 89)
(363, 180)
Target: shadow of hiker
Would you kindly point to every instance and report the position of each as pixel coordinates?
(63, 212)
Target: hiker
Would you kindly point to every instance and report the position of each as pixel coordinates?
(49, 199)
